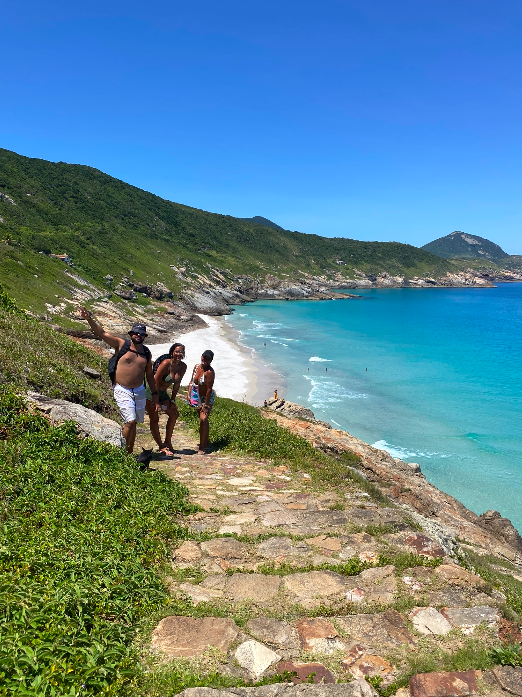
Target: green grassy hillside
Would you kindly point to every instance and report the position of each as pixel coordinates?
(110, 227)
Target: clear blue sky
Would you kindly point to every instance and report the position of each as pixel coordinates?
(374, 120)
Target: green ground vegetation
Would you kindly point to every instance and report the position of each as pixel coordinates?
(35, 357)
(110, 227)
(83, 531)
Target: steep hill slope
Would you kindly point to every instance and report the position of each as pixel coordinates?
(110, 227)
(460, 245)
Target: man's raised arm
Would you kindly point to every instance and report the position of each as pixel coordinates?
(113, 341)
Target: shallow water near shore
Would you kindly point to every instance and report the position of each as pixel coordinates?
(431, 375)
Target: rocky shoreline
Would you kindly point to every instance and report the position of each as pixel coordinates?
(405, 484)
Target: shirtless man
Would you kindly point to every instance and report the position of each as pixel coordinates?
(129, 390)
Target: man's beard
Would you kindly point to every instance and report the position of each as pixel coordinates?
(137, 340)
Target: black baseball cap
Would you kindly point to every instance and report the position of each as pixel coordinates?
(208, 354)
(138, 328)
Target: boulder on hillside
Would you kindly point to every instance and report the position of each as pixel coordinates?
(92, 423)
(501, 528)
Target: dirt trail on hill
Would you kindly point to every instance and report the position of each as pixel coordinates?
(283, 576)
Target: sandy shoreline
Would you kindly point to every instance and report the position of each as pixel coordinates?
(240, 375)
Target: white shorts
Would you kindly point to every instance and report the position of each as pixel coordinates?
(131, 403)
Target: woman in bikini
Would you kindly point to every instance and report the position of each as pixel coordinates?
(169, 372)
(201, 396)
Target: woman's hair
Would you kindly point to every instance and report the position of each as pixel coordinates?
(174, 347)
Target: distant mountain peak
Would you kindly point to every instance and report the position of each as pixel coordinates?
(259, 220)
(459, 244)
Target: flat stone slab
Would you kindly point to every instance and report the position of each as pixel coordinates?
(379, 584)
(276, 547)
(188, 552)
(325, 542)
(356, 688)
(467, 618)
(510, 679)
(452, 684)
(225, 548)
(427, 620)
(276, 519)
(323, 519)
(272, 631)
(458, 576)
(200, 595)
(386, 629)
(314, 584)
(317, 635)
(192, 636)
(257, 587)
(255, 658)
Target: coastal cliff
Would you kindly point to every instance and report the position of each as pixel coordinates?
(405, 484)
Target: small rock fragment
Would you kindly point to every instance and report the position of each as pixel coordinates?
(370, 666)
(91, 373)
(318, 636)
(427, 620)
(424, 546)
(306, 672)
(356, 595)
(255, 658)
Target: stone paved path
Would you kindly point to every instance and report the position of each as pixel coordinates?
(272, 583)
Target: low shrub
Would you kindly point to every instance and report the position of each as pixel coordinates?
(82, 531)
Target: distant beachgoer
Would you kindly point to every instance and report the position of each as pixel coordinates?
(201, 395)
(265, 404)
(275, 394)
(132, 363)
(169, 372)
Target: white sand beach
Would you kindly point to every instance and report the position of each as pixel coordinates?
(240, 374)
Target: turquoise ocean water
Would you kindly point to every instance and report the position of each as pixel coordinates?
(434, 376)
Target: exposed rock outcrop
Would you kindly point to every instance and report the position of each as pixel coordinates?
(89, 421)
(440, 515)
(501, 528)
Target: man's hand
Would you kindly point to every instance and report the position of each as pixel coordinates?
(85, 313)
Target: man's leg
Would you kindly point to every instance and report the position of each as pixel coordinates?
(154, 423)
(129, 433)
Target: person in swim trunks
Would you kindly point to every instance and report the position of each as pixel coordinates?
(203, 376)
(132, 367)
(169, 372)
